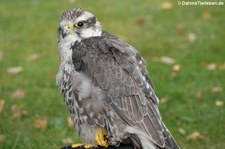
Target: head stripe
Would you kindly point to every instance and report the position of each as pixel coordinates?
(72, 14)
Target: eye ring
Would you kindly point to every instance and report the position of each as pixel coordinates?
(79, 24)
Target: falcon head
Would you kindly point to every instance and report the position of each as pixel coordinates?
(77, 24)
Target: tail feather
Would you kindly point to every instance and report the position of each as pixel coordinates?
(139, 139)
(142, 141)
(170, 142)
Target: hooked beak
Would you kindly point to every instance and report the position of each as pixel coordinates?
(66, 30)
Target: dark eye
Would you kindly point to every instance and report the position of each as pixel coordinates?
(79, 24)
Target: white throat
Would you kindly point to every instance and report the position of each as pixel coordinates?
(64, 47)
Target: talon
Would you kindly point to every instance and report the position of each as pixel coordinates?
(77, 145)
(100, 137)
(106, 133)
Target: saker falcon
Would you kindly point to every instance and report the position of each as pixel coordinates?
(106, 87)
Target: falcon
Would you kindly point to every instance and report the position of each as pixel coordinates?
(106, 87)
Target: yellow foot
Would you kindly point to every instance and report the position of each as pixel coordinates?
(101, 137)
(83, 146)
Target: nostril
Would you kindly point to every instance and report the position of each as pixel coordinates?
(68, 27)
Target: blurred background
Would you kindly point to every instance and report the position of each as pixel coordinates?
(183, 46)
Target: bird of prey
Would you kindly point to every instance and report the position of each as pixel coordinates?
(106, 87)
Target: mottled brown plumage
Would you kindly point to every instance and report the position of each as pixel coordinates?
(106, 84)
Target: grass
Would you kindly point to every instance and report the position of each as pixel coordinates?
(30, 27)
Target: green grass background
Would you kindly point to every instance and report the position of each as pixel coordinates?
(30, 26)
